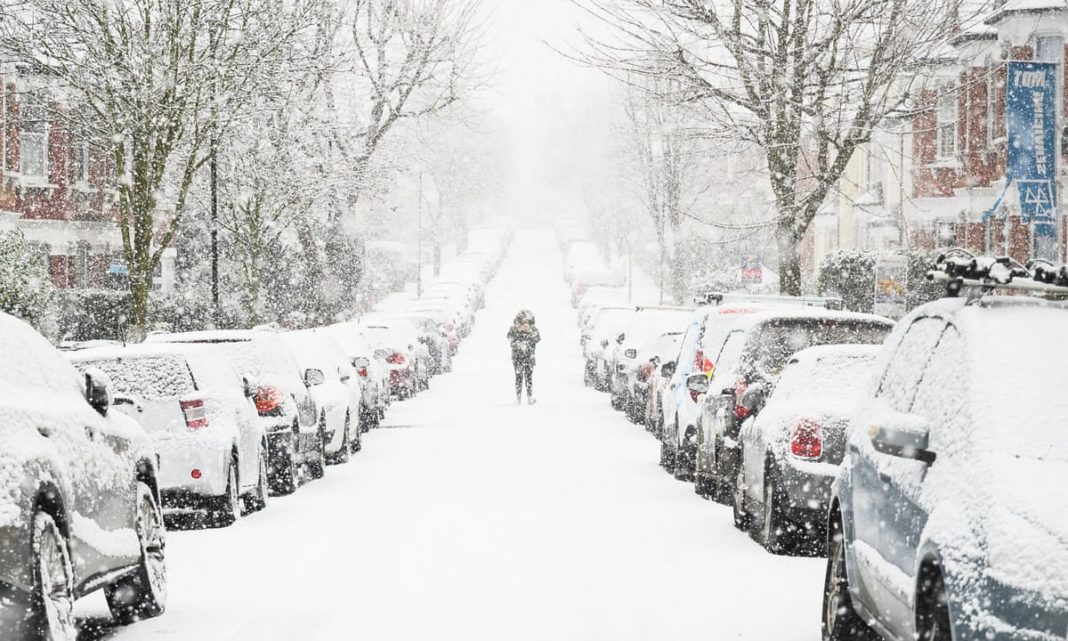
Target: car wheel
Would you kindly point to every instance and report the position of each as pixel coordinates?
(227, 508)
(667, 457)
(357, 444)
(143, 593)
(934, 622)
(774, 533)
(742, 519)
(284, 470)
(344, 453)
(52, 608)
(257, 500)
(317, 466)
(685, 461)
(840, 621)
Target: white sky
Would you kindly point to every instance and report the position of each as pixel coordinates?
(552, 109)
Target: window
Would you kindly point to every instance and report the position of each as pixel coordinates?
(902, 377)
(33, 137)
(946, 114)
(946, 233)
(992, 86)
(942, 393)
(81, 163)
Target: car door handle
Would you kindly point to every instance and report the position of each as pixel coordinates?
(885, 478)
(90, 432)
(44, 430)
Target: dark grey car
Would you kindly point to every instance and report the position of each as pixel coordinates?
(949, 517)
(79, 503)
(791, 450)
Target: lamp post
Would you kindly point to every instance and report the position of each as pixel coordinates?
(419, 251)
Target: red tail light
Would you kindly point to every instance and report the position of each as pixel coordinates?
(268, 400)
(396, 358)
(740, 411)
(806, 439)
(362, 372)
(195, 415)
(694, 395)
(699, 360)
(645, 371)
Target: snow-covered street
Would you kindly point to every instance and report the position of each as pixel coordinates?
(468, 517)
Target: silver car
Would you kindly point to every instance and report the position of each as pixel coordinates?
(79, 501)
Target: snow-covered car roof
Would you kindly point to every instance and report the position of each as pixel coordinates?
(208, 336)
(29, 363)
(249, 352)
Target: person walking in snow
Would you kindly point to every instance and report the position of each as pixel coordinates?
(523, 336)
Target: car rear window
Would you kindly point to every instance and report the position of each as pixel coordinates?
(775, 341)
(147, 377)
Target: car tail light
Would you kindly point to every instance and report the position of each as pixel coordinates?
(806, 439)
(195, 415)
(396, 358)
(740, 411)
(268, 400)
(195, 473)
(645, 371)
(362, 372)
(699, 360)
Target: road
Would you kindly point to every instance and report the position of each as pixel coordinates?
(468, 517)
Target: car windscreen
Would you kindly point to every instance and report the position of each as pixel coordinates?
(147, 377)
(647, 324)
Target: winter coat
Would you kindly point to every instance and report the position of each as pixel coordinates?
(523, 337)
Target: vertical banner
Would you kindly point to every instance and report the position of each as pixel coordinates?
(1031, 117)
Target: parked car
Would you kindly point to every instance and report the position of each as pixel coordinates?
(334, 387)
(213, 453)
(949, 516)
(583, 279)
(754, 352)
(648, 381)
(398, 351)
(646, 325)
(287, 412)
(79, 495)
(793, 445)
(373, 372)
(596, 297)
(699, 352)
(600, 346)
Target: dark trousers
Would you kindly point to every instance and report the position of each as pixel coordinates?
(524, 377)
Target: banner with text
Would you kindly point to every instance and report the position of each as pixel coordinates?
(1031, 117)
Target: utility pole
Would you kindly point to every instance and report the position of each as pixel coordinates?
(419, 206)
(214, 233)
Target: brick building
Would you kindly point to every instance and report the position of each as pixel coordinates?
(58, 186)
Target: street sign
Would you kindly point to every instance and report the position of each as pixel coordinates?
(752, 270)
(891, 285)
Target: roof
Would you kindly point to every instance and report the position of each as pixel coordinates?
(208, 336)
(139, 350)
(840, 351)
(1026, 6)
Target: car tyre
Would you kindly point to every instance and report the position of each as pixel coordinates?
(259, 498)
(775, 530)
(934, 624)
(284, 469)
(344, 453)
(317, 466)
(667, 457)
(743, 520)
(227, 509)
(840, 620)
(51, 613)
(142, 594)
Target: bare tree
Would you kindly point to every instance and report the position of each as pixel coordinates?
(805, 81)
(161, 79)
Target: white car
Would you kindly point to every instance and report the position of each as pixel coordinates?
(213, 452)
(335, 388)
(646, 325)
(372, 371)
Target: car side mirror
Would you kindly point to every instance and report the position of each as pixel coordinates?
(133, 403)
(604, 343)
(667, 370)
(98, 390)
(249, 387)
(909, 441)
(753, 398)
(697, 383)
(313, 377)
(621, 338)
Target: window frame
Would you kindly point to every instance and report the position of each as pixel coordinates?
(947, 115)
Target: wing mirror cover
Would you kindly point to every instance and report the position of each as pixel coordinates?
(98, 390)
(697, 383)
(314, 377)
(909, 440)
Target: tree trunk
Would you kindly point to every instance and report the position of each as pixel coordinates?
(789, 260)
(140, 286)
